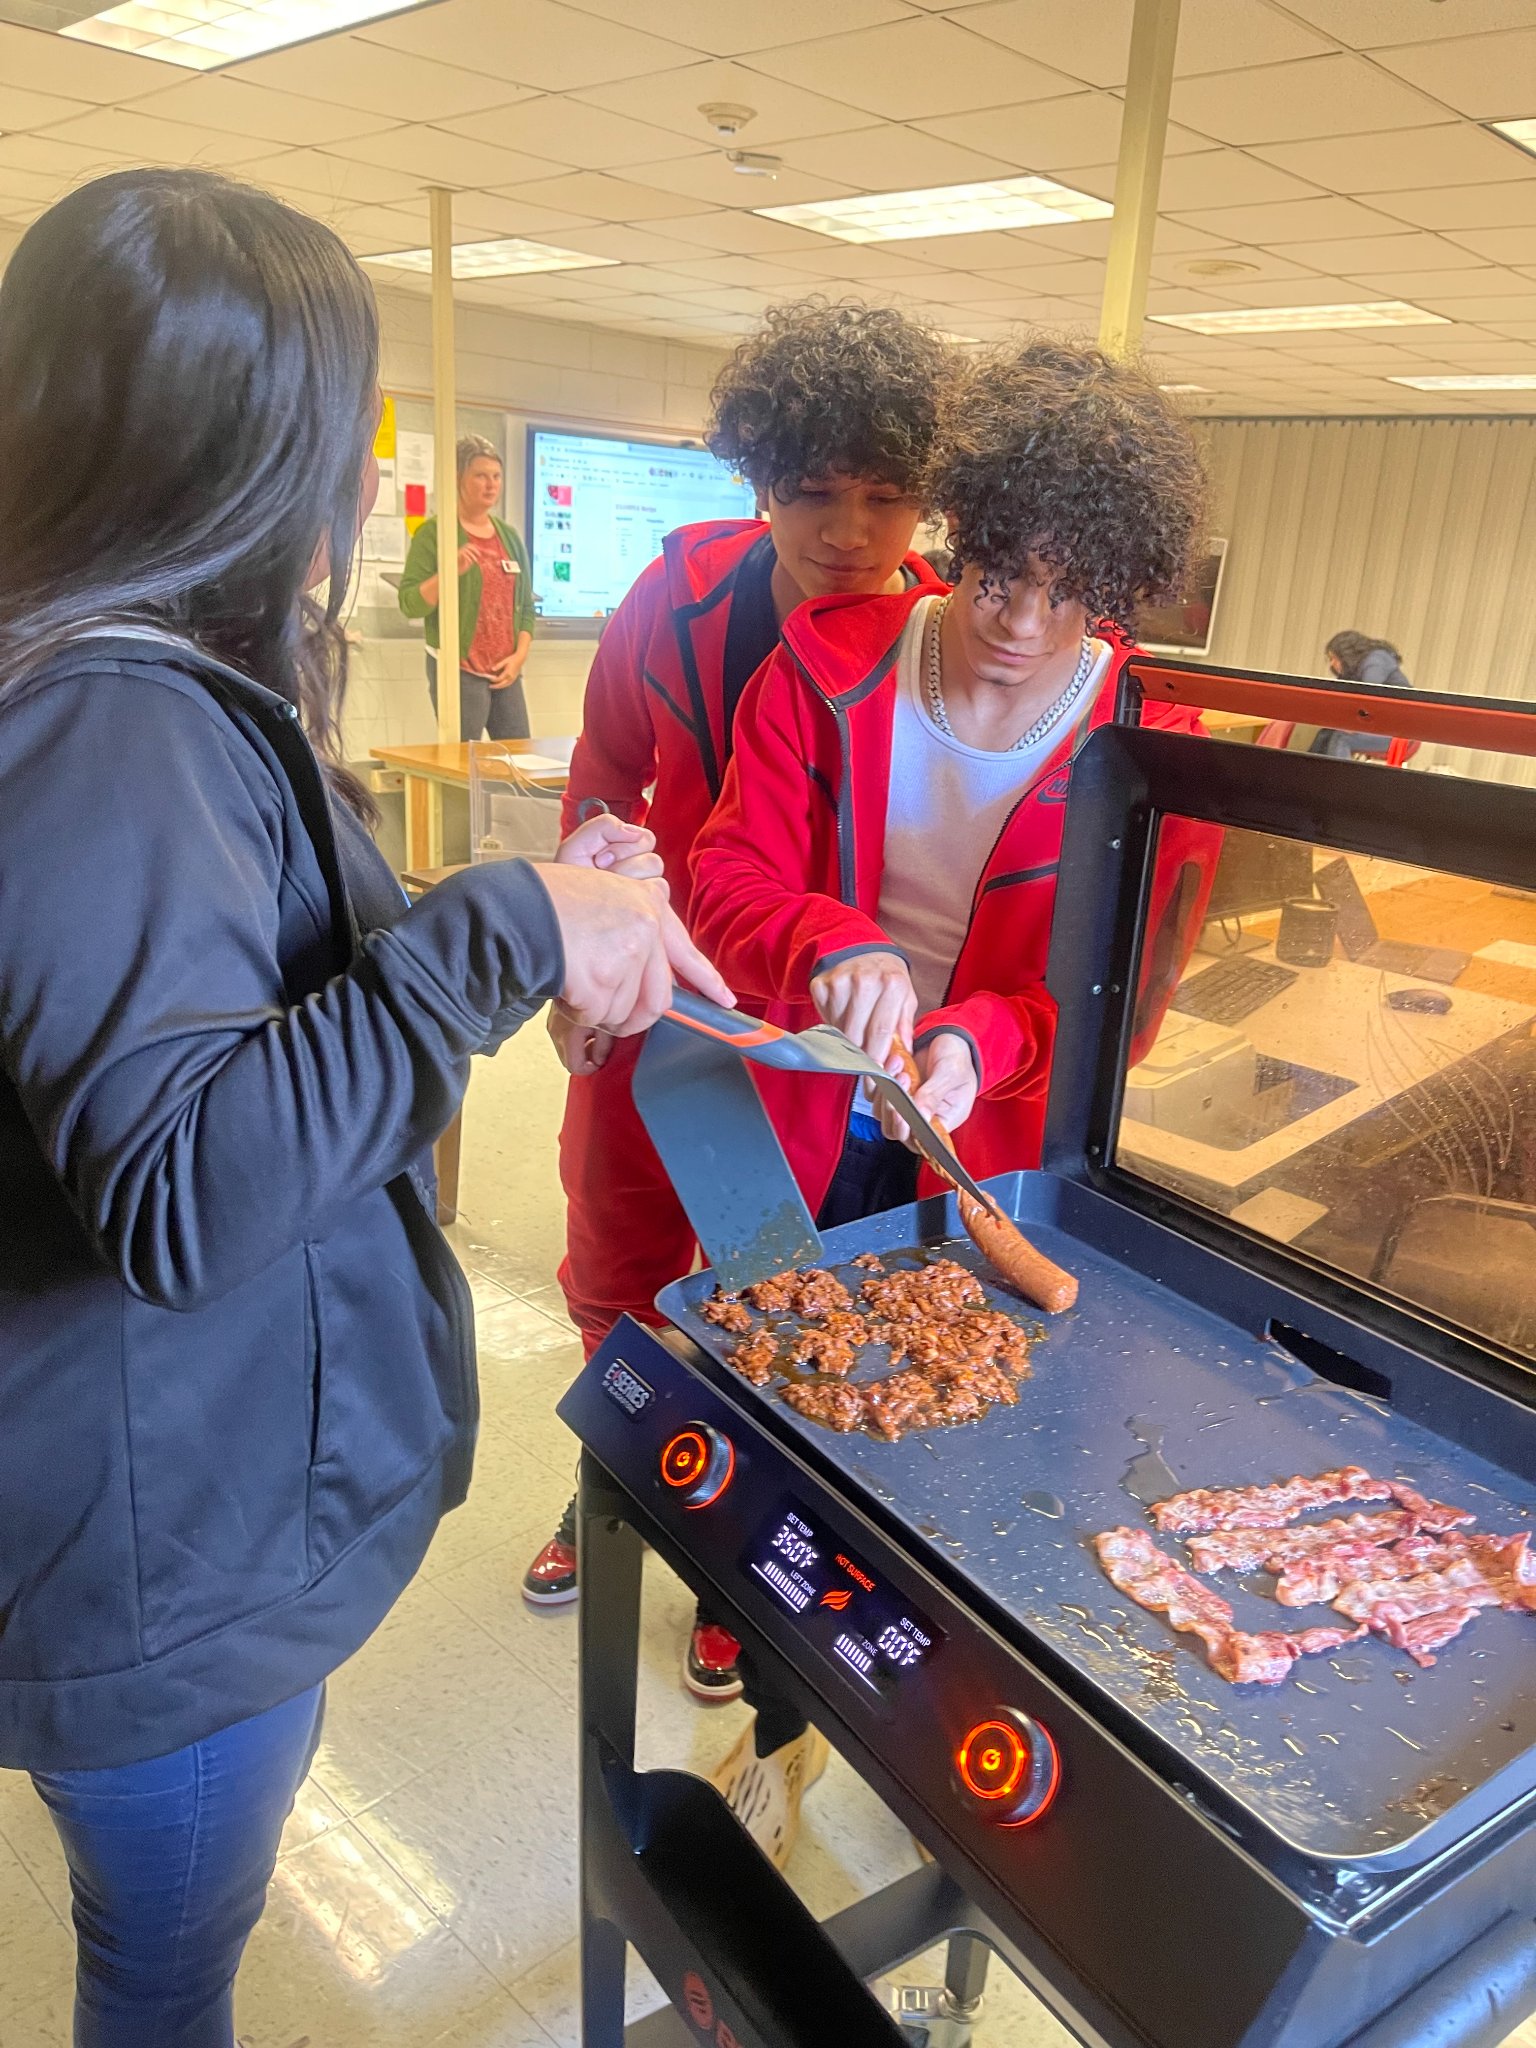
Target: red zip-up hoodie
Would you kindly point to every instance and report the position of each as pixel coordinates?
(655, 710)
(786, 881)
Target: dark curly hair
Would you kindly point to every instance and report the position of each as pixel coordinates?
(1053, 448)
(822, 387)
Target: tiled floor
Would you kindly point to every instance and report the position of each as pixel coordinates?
(426, 1893)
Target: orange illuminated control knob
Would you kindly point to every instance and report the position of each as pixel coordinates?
(1009, 1766)
(697, 1465)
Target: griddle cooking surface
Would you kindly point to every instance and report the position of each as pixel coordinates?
(1357, 1753)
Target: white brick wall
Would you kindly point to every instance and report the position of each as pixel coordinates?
(547, 371)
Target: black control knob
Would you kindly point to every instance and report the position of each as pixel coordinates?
(1008, 1766)
(697, 1465)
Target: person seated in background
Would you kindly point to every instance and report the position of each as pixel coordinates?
(1356, 658)
(830, 412)
(495, 600)
(914, 912)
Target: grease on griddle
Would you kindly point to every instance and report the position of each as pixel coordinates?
(1149, 1477)
(1042, 1503)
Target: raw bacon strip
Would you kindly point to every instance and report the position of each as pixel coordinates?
(1264, 1507)
(1420, 1613)
(1429, 1514)
(1274, 1550)
(1151, 1578)
(1265, 1658)
(1311, 1580)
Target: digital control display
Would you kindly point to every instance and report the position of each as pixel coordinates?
(865, 1626)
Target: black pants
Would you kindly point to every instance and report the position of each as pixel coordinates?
(872, 1174)
(485, 713)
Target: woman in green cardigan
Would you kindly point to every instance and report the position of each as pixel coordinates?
(495, 601)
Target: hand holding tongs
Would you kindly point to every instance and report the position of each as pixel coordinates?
(824, 1050)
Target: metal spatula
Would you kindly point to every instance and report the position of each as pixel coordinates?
(706, 1120)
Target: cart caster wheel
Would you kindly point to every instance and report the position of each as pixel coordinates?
(927, 2017)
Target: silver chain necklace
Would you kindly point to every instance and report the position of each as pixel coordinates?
(1047, 718)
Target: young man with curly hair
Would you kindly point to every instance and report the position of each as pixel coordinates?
(903, 888)
(830, 412)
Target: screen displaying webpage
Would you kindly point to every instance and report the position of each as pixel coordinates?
(599, 509)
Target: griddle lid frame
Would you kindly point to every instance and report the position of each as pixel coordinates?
(1125, 780)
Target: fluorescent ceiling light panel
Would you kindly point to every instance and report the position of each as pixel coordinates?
(1467, 383)
(1523, 132)
(1182, 390)
(1303, 319)
(510, 257)
(943, 210)
(203, 34)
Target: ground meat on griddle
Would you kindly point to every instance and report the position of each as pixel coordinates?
(820, 1348)
(757, 1358)
(808, 1293)
(1264, 1507)
(848, 1324)
(870, 1262)
(727, 1312)
(835, 1404)
(934, 1290)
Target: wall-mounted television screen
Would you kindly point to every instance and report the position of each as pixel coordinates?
(598, 508)
(1189, 626)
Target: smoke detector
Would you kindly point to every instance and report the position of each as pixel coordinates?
(1219, 266)
(754, 163)
(725, 118)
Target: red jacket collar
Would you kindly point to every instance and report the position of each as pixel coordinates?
(703, 557)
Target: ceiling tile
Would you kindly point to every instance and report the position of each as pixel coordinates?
(65, 162)
(1492, 311)
(569, 131)
(760, 273)
(873, 264)
(1404, 160)
(23, 186)
(537, 42)
(1091, 39)
(36, 62)
(1296, 220)
(219, 101)
(1264, 263)
(1464, 206)
(19, 109)
(1050, 135)
(348, 72)
(892, 158)
(992, 250)
(1056, 280)
(727, 28)
(601, 197)
(710, 179)
(333, 177)
(1371, 24)
(433, 156)
(1443, 290)
(915, 69)
(1500, 245)
(1492, 78)
(1320, 96)
(672, 99)
(1358, 257)
(1225, 177)
(746, 234)
(492, 214)
(625, 243)
(156, 142)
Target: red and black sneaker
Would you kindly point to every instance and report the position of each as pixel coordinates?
(550, 1581)
(709, 1666)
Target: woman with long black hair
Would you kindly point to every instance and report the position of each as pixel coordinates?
(237, 1382)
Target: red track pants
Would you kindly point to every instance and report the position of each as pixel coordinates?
(626, 1236)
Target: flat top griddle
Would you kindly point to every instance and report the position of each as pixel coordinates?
(1138, 1392)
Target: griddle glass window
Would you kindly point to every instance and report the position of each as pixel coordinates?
(1347, 1065)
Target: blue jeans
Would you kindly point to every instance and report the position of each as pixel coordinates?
(169, 1863)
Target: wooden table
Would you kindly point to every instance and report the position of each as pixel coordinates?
(429, 770)
(1233, 725)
